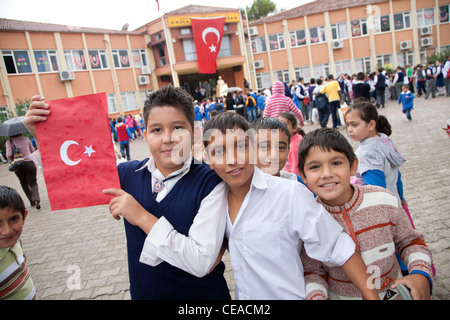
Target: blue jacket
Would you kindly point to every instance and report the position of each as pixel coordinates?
(407, 102)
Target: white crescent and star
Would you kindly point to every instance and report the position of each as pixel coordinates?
(211, 30)
(63, 152)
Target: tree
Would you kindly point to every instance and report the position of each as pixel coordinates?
(260, 9)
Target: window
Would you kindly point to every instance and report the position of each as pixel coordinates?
(359, 27)
(425, 17)
(282, 75)
(185, 31)
(402, 20)
(405, 58)
(443, 13)
(161, 53)
(339, 31)
(75, 60)
(259, 44)
(298, 38)
(321, 70)
(276, 41)
(343, 67)
(362, 65)
(385, 61)
(225, 47)
(121, 58)
(112, 104)
(98, 59)
(129, 100)
(317, 34)
(46, 61)
(190, 54)
(16, 61)
(143, 95)
(263, 80)
(381, 24)
(139, 58)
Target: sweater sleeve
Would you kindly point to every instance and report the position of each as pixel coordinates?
(315, 278)
(295, 110)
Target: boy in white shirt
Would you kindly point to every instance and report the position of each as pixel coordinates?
(268, 220)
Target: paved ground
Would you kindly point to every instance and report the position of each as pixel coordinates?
(81, 254)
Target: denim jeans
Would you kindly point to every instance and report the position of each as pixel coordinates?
(125, 148)
(408, 113)
(334, 106)
(251, 112)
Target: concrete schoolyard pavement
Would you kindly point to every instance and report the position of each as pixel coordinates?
(81, 253)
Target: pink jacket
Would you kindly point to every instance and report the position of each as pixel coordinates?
(292, 159)
(279, 103)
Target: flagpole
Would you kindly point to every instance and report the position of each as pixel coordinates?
(167, 46)
(251, 51)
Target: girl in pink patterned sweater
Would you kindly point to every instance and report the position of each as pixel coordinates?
(371, 215)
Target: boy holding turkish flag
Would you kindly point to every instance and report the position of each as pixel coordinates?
(172, 205)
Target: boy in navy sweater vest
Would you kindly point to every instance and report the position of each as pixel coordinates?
(166, 202)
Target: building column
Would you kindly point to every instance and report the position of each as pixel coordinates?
(151, 63)
(416, 42)
(269, 58)
(392, 28)
(287, 41)
(113, 73)
(62, 62)
(88, 63)
(33, 63)
(136, 85)
(329, 37)
(372, 47)
(308, 45)
(350, 41)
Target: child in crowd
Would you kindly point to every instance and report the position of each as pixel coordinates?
(371, 215)
(272, 140)
(173, 206)
(266, 225)
(124, 137)
(15, 279)
(406, 99)
(296, 137)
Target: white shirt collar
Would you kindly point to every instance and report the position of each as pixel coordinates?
(259, 180)
(150, 165)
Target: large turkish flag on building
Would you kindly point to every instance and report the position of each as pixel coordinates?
(208, 34)
(77, 152)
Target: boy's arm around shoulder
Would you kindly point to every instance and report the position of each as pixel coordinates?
(197, 252)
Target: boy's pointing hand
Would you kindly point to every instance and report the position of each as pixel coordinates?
(123, 204)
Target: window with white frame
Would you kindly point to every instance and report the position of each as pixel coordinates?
(381, 24)
(321, 70)
(444, 13)
(317, 34)
(16, 61)
(143, 95)
(46, 60)
(359, 27)
(405, 58)
(139, 58)
(190, 54)
(98, 59)
(303, 72)
(129, 100)
(112, 104)
(402, 20)
(121, 58)
(339, 31)
(259, 44)
(276, 41)
(263, 80)
(343, 67)
(75, 60)
(225, 47)
(282, 75)
(298, 38)
(425, 17)
(362, 65)
(385, 61)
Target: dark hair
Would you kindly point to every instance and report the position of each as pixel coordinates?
(173, 97)
(271, 123)
(10, 198)
(222, 122)
(360, 76)
(368, 112)
(289, 116)
(326, 139)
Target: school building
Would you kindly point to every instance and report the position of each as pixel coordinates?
(342, 36)
(347, 36)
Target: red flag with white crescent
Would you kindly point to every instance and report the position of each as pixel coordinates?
(208, 33)
(77, 152)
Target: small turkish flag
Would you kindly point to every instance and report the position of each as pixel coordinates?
(77, 152)
(208, 34)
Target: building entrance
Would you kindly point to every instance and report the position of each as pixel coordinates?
(195, 84)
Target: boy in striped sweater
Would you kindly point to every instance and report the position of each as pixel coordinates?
(371, 215)
(15, 280)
